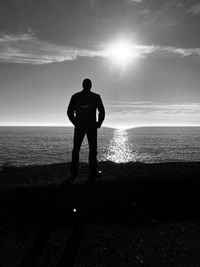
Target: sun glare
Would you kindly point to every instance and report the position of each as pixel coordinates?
(122, 52)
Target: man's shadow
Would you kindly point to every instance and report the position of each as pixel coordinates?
(72, 216)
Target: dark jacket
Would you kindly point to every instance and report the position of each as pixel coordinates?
(83, 107)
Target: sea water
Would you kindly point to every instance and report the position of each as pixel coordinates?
(45, 145)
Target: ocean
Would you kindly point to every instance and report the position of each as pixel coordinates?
(21, 146)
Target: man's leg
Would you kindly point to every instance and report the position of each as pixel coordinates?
(79, 134)
(92, 141)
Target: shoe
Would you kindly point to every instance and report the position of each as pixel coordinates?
(73, 175)
(97, 174)
(90, 182)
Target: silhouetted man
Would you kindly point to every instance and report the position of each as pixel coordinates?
(82, 111)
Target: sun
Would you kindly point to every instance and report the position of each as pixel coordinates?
(121, 52)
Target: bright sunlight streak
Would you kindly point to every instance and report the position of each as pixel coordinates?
(122, 52)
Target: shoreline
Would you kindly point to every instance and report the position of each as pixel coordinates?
(152, 187)
(61, 170)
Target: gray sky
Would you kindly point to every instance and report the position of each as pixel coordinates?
(48, 47)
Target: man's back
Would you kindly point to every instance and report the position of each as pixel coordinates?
(82, 109)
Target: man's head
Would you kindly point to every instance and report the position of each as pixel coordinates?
(87, 84)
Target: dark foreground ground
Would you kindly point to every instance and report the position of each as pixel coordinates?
(135, 215)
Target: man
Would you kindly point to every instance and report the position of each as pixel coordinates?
(82, 111)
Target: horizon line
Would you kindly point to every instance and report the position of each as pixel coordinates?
(122, 127)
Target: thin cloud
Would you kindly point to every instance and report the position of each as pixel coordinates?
(15, 38)
(145, 11)
(152, 114)
(135, 1)
(167, 50)
(28, 49)
(195, 9)
(92, 3)
(152, 107)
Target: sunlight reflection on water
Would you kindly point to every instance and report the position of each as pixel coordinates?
(119, 149)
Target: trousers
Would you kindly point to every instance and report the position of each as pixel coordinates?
(79, 134)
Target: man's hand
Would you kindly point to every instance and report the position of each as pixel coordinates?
(98, 125)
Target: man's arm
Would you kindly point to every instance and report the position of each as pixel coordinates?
(101, 115)
(71, 111)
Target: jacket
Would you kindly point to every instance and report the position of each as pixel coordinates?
(83, 107)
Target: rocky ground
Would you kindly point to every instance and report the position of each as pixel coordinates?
(135, 215)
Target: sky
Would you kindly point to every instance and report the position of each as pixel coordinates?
(48, 47)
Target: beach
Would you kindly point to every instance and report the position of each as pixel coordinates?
(137, 214)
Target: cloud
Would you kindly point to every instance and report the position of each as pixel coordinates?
(135, 1)
(14, 38)
(149, 106)
(92, 3)
(28, 49)
(145, 11)
(152, 114)
(167, 50)
(195, 9)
